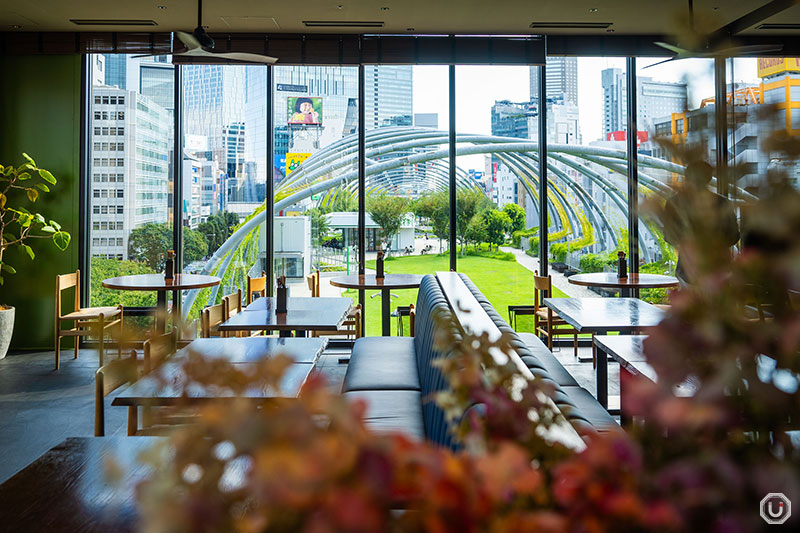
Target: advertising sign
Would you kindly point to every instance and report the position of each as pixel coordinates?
(767, 66)
(304, 110)
(293, 160)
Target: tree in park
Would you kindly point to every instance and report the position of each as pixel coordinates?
(497, 225)
(217, 228)
(468, 204)
(149, 243)
(388, 212)
(435, 208)
(476, 230)
(319, 224)
(102, 268)
(517, 216)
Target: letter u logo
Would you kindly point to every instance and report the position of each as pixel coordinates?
(772, 513)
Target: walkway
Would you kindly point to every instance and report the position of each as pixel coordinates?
(559, 280)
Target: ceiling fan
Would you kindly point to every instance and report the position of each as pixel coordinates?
(718, 43)
(200, 44)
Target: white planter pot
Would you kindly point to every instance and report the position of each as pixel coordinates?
(6, 329)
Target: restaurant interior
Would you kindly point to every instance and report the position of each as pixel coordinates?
(368, 266)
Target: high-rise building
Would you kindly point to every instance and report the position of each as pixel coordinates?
(510, 119)
(654, 99)
(388, 91)
(561, 78)
(116, 70)
(129, 167)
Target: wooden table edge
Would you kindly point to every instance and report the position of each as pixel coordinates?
(181, 287)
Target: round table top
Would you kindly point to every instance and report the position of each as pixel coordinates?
(369, 281)
(156, 282)
(609, 280)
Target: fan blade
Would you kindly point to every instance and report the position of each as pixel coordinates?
(244, 56)
(662, 62)
(188, 40)
(672, 48)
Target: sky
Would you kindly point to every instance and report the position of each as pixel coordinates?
(478, 87)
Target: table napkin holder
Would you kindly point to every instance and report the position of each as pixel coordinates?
(622, 266)
(281, 296)
(169, 266)
(379, 265)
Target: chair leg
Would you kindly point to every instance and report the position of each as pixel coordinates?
(101, 339)
(576, 345)
(58, 350)
(77, 344)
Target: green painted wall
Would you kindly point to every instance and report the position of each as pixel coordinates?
(40, 115)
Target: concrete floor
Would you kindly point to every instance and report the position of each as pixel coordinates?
(40, 407)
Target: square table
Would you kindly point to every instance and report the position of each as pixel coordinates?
(68, 489)
(602, 315)
(168, 387)
(304, 314)
(627, 350)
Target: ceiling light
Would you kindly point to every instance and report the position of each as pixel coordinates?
(161, 7)
(343, 24)
(113, 22)
(592, 10)
(384, 9)
(410, 29)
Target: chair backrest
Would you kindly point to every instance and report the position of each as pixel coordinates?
(64, 282)
(232, 303)
(158, 349)
(316, 283)
(109, 378)
(310, 282)
(357, 321)
(211, 317)
(258, 285)
(542, 288)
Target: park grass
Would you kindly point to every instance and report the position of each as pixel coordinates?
(503, 282)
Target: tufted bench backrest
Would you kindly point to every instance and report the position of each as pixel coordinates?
(432, 309)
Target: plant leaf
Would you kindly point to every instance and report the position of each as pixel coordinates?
(33, 195)
(2, 200)
(61, 239)
(55, 224)
(38, 218)
(49, 229)
(46, 176)
(24, 176)
(25, 219)
(29, 158)
(8, 268)
(28, 250)
(42, 187)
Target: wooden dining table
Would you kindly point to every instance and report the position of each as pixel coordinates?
(385, 284)
(169, 385)
(303, 314)
(69, 489)
(626, 285)
(157, 283)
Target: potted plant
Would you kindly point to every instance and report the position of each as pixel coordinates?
(19, 226)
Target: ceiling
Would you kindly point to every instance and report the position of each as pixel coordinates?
(507, 17)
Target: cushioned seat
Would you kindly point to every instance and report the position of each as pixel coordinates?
(546, 360)
(589, 409)
(397, 411)
(382, 363)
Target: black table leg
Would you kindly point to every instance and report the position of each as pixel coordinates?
(624, 292)
(602, 376)
(386, 329)
(284, 333)
(161, 312)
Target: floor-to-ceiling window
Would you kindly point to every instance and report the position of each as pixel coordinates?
(675, 123)
(224, 175)
(131, 120)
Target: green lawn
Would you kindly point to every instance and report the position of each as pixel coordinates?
(503, 282)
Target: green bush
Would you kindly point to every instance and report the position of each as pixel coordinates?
(517, 236)
(558, 251)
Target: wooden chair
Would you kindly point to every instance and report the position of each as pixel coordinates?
(109, 378)
(86, 321)
(233, 306)
(258, 285)
(544, 321)
(210, 319)
(158, 349)
(352, 325)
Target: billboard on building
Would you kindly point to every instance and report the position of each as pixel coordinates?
(304, 109)
(768, 66)
(293, 160)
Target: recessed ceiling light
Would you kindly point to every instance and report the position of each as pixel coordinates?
(339, 6)
(384, 9)
(610, 30)
(592, 10)
(15, 26)
(161, 7)
(409, 29)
